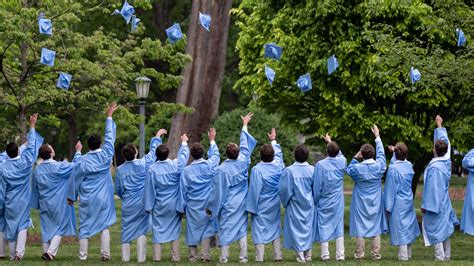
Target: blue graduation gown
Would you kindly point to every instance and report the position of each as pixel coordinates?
(296, 195)
(93, 183)
(196, 182)
(467, 219)
(328, 193)
(50, 185)
(229, 191)
(367, 216)
(398, 201)
(440, 218)
(161, 196)
(15, 175)
(130, 187)
(263, 201)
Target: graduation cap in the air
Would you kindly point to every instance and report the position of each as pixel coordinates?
(414, 75)
(126, 11)
(134, 23)
(205, 21)
(47, 57)
(332, 64)
(461, 37)
(45, 25)
(273, 51)
(304, 82)
(174, 33)
(270, 73)
(64, 80)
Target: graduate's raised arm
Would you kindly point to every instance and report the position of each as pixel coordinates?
(441, 134)
(213, 156)
(468, 161)
(379, 150)
(34, 142)
(247, 142)
(110, 132)
(391, 148)
(156, 141)
(183, 153)
(278, 158)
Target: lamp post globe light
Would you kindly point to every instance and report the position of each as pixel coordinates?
(142, 85)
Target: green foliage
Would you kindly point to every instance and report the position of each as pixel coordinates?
(229, 124)
(376, 43)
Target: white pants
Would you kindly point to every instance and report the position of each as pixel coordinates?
(224, 257)
(260, 251)
(340, 252)
(3, 243)
(175, 254)
(52, 246)
(404, 252)
(374, 252)
(303, 256)
(443, 250)
(19, 246)
(141, 250)
(205, 250)
(104, 245)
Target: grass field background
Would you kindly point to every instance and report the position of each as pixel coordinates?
(462, 245)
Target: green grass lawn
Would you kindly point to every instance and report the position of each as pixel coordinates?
(462, 247)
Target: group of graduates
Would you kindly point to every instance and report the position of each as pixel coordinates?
(157, 192)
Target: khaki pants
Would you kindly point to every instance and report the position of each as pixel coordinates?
(141, 250)
(443, 250)
(360, 248)
(339, 249)
(205, 251)
(104, 246)
(404, 252)
(52, 246)
(303, 256)
(260, 251)
(224, 257)
(175, 255)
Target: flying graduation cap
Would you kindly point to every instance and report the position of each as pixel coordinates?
(45, 25)
(174, 33)
(134, 23)
(47, 57)
(461, 38)
(414, 75)
(304, 82)
(273, 51)
(126, 11)
(205, 21)
(332, 64)
(270, 73)
(64, 80)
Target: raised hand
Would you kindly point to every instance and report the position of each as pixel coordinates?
(247, 118)
(358, 155)
(327, 138)
(439, 121)
(33, 120)
(272, 135)
(184, 138)
(211, 134)
(161, 132)
(111, 109)
(78, 146)
(391, 148)
(376, 131)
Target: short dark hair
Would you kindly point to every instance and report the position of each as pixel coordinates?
(197, 150)
(45, 152)
(232, 151)
(401, 151)
(267, 153)
(129, 152)
(332, 149)
(301, 153)
(441, 147)
(162, 152)
(367, 151)
(12, 150)
(93, 142)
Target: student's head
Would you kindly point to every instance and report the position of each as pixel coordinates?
(162, 152)
(93, 142)
(197, 151)
(129, 152)
(12, 150)
(267, 153)
(367, 151)
(46, 152)
(440, 148)
(332, 149)
(401, 151)
(232, 151)
(301, 153)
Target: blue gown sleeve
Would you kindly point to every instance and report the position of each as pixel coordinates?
(433, 191)
(254, 191)
(182, 194)
(219, 192)
(468, 161)
(380, 155)
(150, 157)
(149, 195)
(285, 188)
(214, 157)
(77, 176)
(29, 154)
(317, 182)
(183, 157)
(119, 185)
(394, 158)
(278, 155)
(34, 198)
(391, 189)
(108, 149)
(247, 144)
(440, 133)
(352, 170)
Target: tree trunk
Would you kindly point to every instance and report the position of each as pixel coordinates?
(202, 83)
(419, 167)
(22, 123)
(162, 16)
(73, 134)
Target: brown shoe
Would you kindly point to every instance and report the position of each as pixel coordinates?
(105, 258)
(47, 257)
